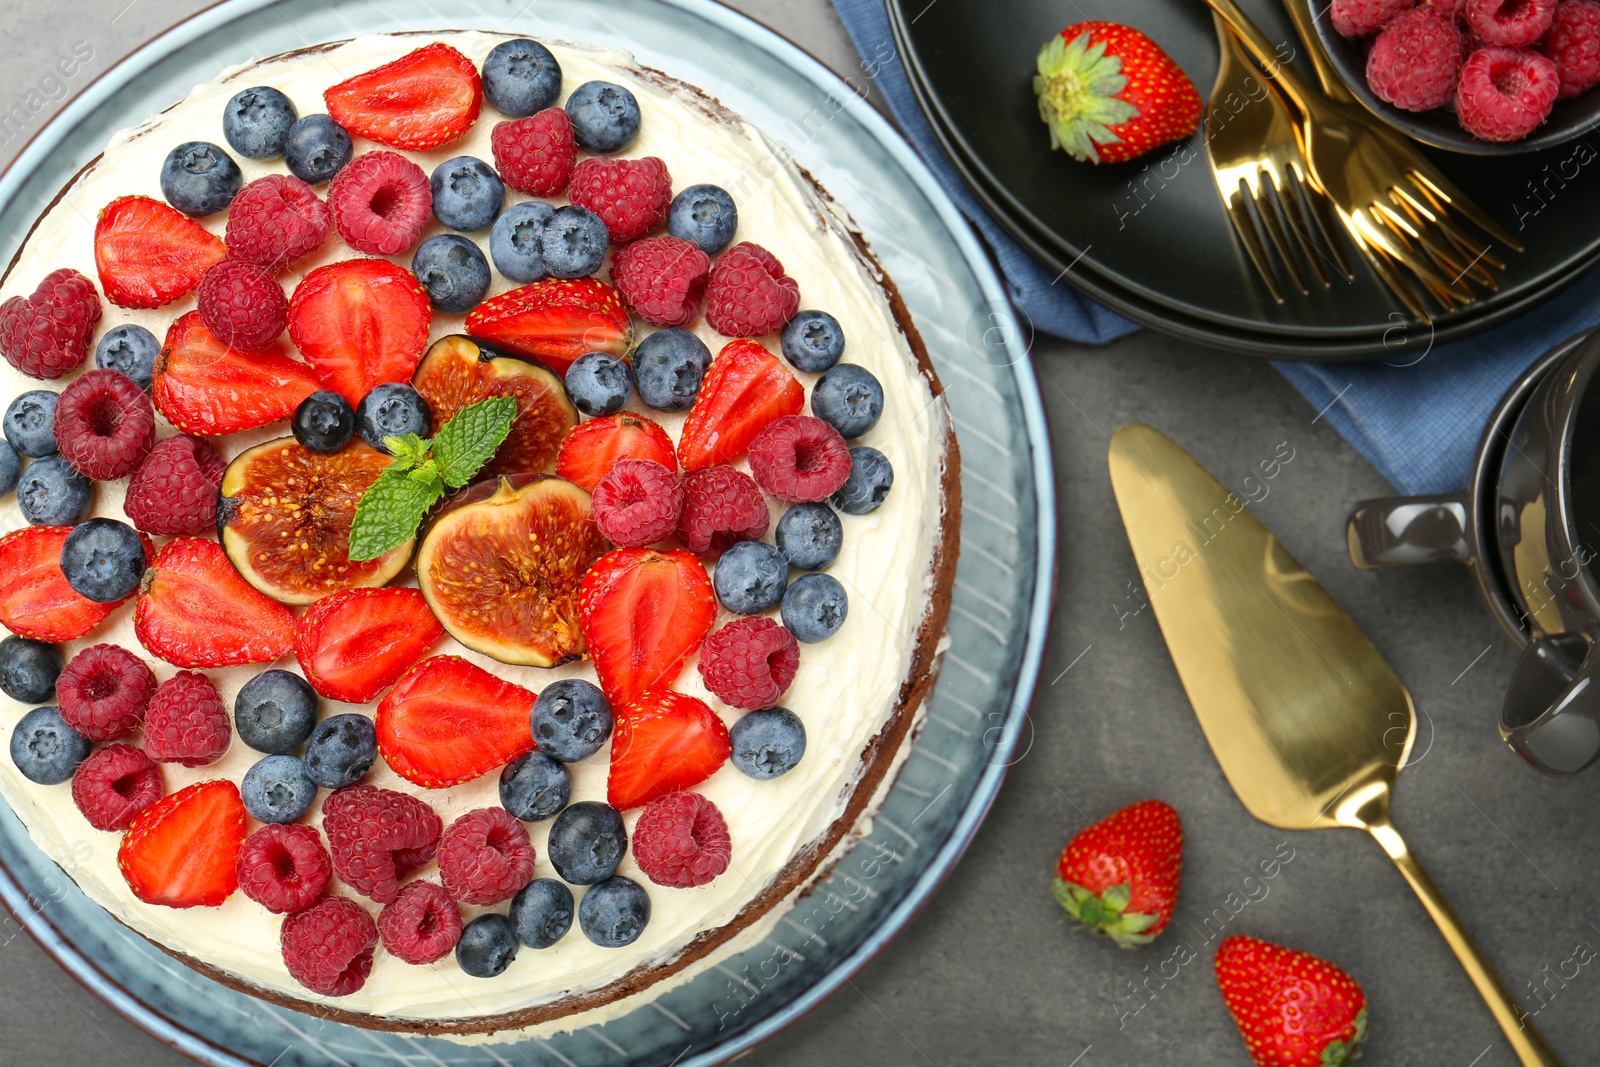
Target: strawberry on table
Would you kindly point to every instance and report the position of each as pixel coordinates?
(448, 721)
(1292, 1009)
(643, 612)
(422, 100)
(182, 851)
(745, 389)
(207, 389)
(596, 446)
(555, 321)
(149, 254)
(664, 742)
(1120, 876)
(359, 323)
(35, 600)
(355, 644)
(196, 610)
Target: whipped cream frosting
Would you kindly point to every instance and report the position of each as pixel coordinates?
(846, 690)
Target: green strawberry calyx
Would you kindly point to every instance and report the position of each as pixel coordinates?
(1077, 87)
(1105, 912)
(1344, 1053)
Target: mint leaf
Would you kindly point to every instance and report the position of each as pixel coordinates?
(408, 451)
(468, 441)
(391, 509)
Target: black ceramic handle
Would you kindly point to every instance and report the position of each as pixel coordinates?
(1398, 531)
(1551, 716)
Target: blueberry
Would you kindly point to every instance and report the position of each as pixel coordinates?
(488, 945)
(453, 271)
(705, 215)
(541, 912)
(45, 749)
(586, 842)
(667, 368)
(810, 536)
(813, 342)
(533, 786)
(103, 560)
(571, 720)
(130, 349)
(599, 383)
(275, 711)
(392, 409)
(257, 121)
(814, 607)
(28, 669)
(324, 422)
(521, 77)
(768, 742)
(317, 148)
(277, 789)
(614, 913)
(467, 193)
(572, 242)
(341, 750)
(750, 577)
(30, 423)
(52, 493)
(514, 241)
(199, 178)
(871, 476)
(10, 468)
(849, 399)
(605, 117)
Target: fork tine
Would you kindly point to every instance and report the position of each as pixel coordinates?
(1244, 228)
(1392, 279)
(1444, 189)
(1394, 245)
(1476, 252)
(1295, 219)
(1321, 212)
(1446, 259)
(1268, 210)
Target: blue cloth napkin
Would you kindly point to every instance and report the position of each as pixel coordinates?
(1416, 415)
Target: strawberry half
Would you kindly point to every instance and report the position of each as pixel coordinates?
(745, 389)
(195, 610)
(35, 599)
(359, 323)
(591, 450)
(207, 389)
(642, 612)
(420, 101)
(448, 721)
(183, 850)
(555, 321)
(355, 644)
(149, 254)
(664, 742)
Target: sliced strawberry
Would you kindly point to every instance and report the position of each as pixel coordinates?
(207, 389)
(149, 254)
(195, 610)
(355, 644)
(591, 450)
(420, 101)
(642, 612)
(35, 599)
(745, 388)
(360, 322)
(448, 721)
(555, 321)
(664, 742)
(183, 850)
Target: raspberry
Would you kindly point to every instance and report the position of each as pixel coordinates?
(535, 155)
(749, 663)
(328, 947)
(380, 202)
(485, 857)
(1415, 60)
(799, 459)
(1504, 93)
(276, 220)
(1510, 23)
(631, 196)
(681, 841)
(378, 836)
(721, 506)
(174, 491)
(1573, 45)
(104, 424)
(186, 722)
(663, 279)
(1448, 8)
(637, 503)
(284, 868)
(241, 305)
(104, 691)
(1357, 18)
(47, 334)
(115, 784)
(421, 925)
(749, 294)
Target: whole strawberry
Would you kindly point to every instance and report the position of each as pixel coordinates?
(1120, 876)
(1109, 93)
(1292, 1009)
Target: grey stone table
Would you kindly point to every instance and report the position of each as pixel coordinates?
(988, 972)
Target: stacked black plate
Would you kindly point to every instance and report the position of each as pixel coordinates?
(1149, 237)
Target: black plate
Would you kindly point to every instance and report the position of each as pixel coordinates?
(1149, 237)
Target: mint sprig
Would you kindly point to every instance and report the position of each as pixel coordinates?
(392, 508)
